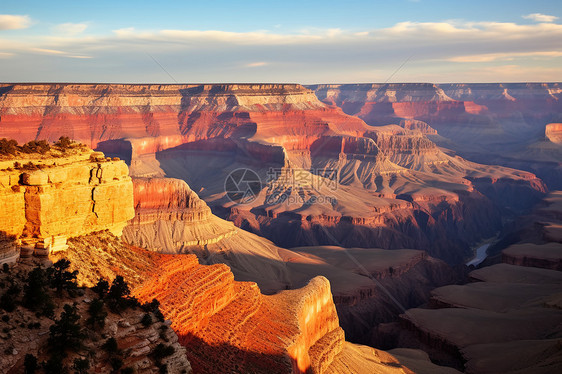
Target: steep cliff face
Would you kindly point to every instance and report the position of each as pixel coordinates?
(392, 184)
(511, 312)
(488, 123)
(362, 303)
(49, 199)
(229, 326)
(508, 318)
(439, 101)
(170, 218)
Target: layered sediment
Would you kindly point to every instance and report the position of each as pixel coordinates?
(48, 199)
(279, 131)
(227, 325)
(499, 123)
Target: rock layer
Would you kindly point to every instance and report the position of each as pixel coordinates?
(416, 194)
(500, 123)
(64, 197)
(553, 132)
(229, 326)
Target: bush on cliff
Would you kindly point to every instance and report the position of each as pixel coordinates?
(97, 313)
(118, 297)
(63, 143)
(36, 146)
(8, 146)
(35, 295)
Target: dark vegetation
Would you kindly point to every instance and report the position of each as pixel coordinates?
(39, 290)
(10, 147)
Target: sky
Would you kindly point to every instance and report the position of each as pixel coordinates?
(286, 41)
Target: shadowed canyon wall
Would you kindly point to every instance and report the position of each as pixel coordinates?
(394, 188)
(501, 123)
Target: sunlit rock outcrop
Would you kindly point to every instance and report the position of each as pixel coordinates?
(47, 199)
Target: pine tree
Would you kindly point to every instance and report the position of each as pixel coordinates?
(66, 333)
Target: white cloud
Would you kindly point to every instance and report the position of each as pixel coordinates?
(538, 17)
(47, 51)
(6, 54)
(256, 64)
(488, 57)
(70, 28)
(14, 22)
(55, 52)
(308, 56)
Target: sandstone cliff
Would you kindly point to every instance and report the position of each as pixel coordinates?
(553, 132)
(171, 130)
(229, 326)
(46, 199)
(499, 123)
(170, 218)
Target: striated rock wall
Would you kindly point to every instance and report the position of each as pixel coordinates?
(92, 113)
(493, 123)
(225, 325)
(433, 100)
(65, 197)
(388, 180)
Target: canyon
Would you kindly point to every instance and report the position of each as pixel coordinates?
(506, 318)
(365, 202)
(509, 124)
(357, 184)
(292, 331)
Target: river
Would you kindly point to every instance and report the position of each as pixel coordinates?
(480, 255)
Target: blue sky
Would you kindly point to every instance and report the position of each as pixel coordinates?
(281, 41)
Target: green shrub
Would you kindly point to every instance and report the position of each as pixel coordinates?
(35, 296)
(8, 146)
(81, 365)
(116, 363)
(55, 365)
(101, 288)
(36, 146)
(110, 346)
(64, 143)
(8, 299)
(162, 351)
(60, 278)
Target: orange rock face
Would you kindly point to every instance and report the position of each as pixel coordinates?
(553, 132)
(229, 326)
(392, 181)
(69, 196)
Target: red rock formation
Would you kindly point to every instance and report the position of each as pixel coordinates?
(279, 126)
(230, 326)
(412, 124)
(488, 123)
(553, 132)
